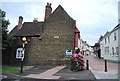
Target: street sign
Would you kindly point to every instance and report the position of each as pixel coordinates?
(20, 53)
(68, 53)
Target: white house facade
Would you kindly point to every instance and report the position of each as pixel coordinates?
(102, 48)
(109, 45)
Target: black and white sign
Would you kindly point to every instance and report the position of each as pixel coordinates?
(20, 53)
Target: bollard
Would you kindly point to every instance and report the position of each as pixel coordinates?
(87, 64)
(21, 66)
(105, 65)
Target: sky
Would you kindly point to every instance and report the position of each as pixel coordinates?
(93, 17)
(119, 12)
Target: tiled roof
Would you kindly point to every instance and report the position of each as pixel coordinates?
(116, 27)
(109, 33)
(36, 28)
(30, 29)
(13, 31)
(76, 30)
(59, 14)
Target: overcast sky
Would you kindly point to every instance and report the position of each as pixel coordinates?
(93, 17)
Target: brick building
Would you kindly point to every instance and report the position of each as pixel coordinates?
(47, 40)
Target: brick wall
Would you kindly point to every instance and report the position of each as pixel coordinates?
(58, 36)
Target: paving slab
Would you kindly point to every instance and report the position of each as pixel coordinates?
(111, 74)
(47, 74)
(66, 74)
(34, 70)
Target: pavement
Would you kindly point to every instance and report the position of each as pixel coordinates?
(63, 73)
(97, 67)
(48, 73)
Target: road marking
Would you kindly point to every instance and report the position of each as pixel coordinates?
(47, 74)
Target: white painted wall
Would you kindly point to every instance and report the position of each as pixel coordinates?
(112, 44)
(102, 48)
(119, 41)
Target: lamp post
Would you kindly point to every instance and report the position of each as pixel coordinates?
(22, 56)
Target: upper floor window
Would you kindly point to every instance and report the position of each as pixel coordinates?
(105, 41)
(108, 39)
(115, 36)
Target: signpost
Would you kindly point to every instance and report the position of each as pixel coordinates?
(20, 53)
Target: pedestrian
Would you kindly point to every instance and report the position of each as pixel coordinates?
(81, 51)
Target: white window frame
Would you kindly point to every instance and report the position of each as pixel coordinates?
(115, 36)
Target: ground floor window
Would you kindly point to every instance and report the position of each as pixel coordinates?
(113, 51)
(106, 50)
(117, 50)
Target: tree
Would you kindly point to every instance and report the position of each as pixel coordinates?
(6, 39)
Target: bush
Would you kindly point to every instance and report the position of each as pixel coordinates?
(77, 62)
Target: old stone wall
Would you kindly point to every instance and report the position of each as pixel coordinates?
(57, 37)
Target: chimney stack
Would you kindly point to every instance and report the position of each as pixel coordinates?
(35, 20)
(20, 22)
(48, 10)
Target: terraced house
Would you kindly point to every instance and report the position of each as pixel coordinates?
(46, 40)
(109, 45)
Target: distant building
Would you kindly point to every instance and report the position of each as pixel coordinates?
(47, 40)
(96, 49)
(85, 48)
